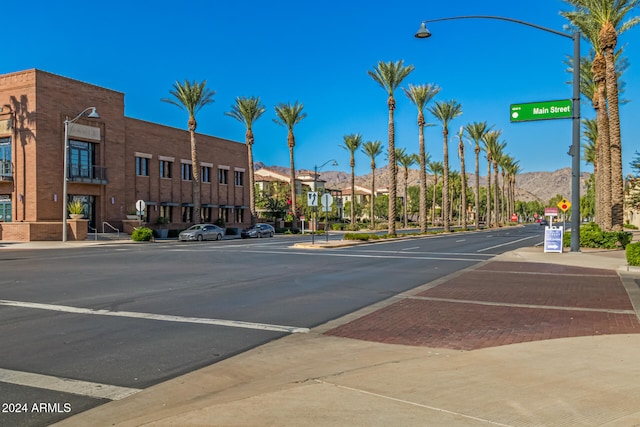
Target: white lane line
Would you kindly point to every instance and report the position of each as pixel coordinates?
(410, 249)
(66, 385)
(160, 317)
(315, 253)
(509, 243)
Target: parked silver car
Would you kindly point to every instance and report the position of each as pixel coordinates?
(201, 232)
(258, 230)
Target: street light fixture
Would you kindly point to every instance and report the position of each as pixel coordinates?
(574, 149)
(92, 114)
(316, 169)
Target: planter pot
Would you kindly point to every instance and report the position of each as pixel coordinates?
(76, 216)
(162, 233)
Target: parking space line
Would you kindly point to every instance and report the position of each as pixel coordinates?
(66, 385)
(159, 317)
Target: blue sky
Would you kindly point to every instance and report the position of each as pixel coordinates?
(318, 53)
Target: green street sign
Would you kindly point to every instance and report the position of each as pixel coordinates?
(546, 110)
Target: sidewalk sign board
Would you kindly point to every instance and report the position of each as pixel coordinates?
(553, 239)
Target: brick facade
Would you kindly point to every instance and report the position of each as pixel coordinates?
(35, 105)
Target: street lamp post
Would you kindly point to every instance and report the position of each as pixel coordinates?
(317, 168)
(574, 149)
(93, 114)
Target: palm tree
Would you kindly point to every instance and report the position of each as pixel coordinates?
(463, 179)
(372, 149)
(445, 112)
(290, 115)
(351, 143)
(609, 17)
(191, 97)
(406, 161)
(247, 111)
(495, 150)
(490, 141)
(476, 132)
(420, 96)
(437, 168)
(389, 75)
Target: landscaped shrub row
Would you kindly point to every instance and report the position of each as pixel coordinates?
(592, 236)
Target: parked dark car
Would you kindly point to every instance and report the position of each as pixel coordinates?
(544, 222)
(201, 232)
(258, 230)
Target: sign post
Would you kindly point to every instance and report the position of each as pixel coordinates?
(327, 202)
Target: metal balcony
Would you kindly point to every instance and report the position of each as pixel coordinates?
(88, 175)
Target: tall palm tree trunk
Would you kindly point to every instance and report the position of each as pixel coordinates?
(463, 187)
(353, 192)
(488, 221)
(433, 198)
(603, 214)
(445, 181)
(292, 177)
(195, 166)
(393, 169)
(477, 185)
(373, 195)
(608, 40)
(252, 197)
(495, 194)
(423, 175)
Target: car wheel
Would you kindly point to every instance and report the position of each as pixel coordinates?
(260, 235)
(218, 236)
(271, 234)
(199, 237)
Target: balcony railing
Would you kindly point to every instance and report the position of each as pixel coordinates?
(89, 174)
(6, 171)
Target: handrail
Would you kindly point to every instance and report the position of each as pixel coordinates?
(111, 227)
(95, 231)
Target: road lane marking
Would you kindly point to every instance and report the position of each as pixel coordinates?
(160, 317)
(509, 243)
(312, 252)
(66, 385)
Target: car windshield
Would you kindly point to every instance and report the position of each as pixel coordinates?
(194, 227)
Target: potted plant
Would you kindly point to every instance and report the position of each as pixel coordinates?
(75, 209)
(132, 213)
(161, 231)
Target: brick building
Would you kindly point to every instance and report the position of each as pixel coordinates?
(113, 161)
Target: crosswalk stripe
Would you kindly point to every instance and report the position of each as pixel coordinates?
(66, 385)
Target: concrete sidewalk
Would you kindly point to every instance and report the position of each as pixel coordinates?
(341, 374)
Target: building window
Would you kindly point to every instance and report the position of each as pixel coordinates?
(166, 212)
(5, 158)
(223, 214)
(187, 213)
(165, 168)
(239, 214)
(205, 214)
(187, 172)
(223, 176)
(81, 159)
(205, 176)
(142, 166)
(239, 178)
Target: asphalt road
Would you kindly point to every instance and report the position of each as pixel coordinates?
(83, 326)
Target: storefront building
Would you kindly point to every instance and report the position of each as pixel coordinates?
(112, 162)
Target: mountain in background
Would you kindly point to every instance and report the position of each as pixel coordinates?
(541, 186)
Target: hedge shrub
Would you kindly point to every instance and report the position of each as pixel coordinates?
(633, 254)
(142, 234)
(592, 236)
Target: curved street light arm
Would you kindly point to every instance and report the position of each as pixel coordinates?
(500, 18)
